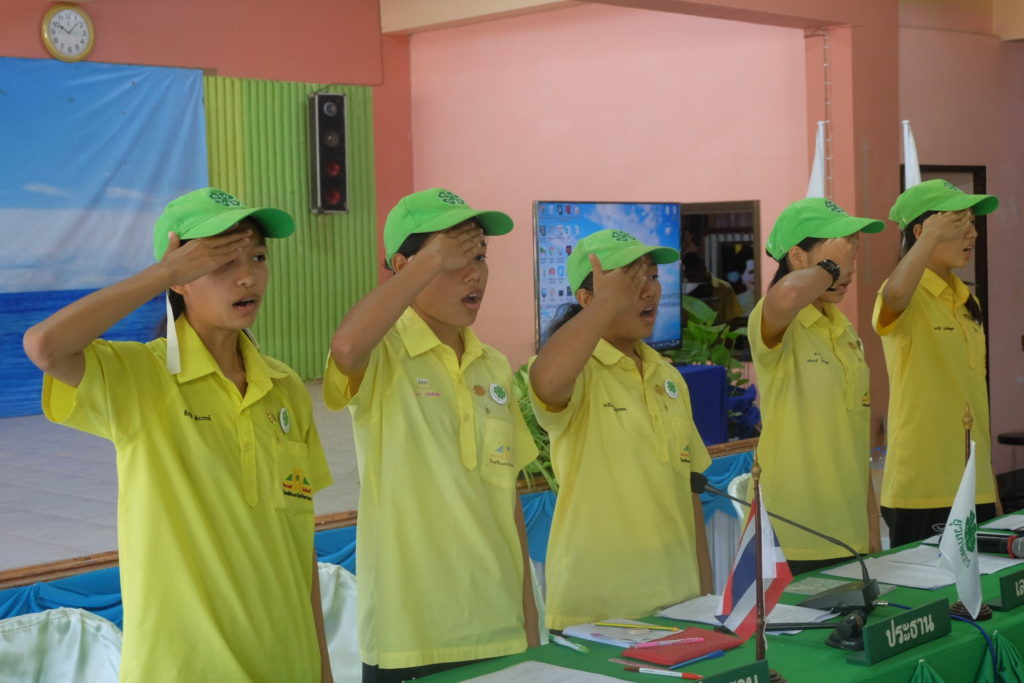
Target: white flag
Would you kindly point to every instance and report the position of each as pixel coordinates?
(959, 544)
(911, 166)
(816, 185)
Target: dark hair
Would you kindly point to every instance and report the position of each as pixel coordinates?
(806, 244)
(567, 312)
(909, 239)
(414, 242)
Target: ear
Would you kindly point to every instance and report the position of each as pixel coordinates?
(797, 258)
(398, 261)
(917, 228)
(584, 297)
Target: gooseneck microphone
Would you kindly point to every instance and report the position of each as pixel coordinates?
(858, 596)
(1001, 544)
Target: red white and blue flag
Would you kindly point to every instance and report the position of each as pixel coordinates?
(738, 611)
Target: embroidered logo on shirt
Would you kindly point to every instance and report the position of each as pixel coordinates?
(479, 390)
(944, 328)
(285, 420)
(617, 409)
(684, 456)
(297, 485)
(198, 418)
(816, 357)
(502, 456)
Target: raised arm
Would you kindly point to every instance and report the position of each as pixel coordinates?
(803, 286)
(57, 344)
(368, 321)
(902, 282)
(561, 360)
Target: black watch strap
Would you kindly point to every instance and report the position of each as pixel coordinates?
(832, 268)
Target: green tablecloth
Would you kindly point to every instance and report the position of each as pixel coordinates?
(804, 657)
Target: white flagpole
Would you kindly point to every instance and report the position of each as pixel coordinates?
(911, 166)
(816, 184)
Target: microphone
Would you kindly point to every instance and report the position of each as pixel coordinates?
(858, 595)
(1000, 544)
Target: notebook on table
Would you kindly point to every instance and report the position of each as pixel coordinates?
(668, 655)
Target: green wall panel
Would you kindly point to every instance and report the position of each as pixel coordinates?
(258, 148)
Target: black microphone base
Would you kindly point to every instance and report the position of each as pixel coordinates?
(856, 596)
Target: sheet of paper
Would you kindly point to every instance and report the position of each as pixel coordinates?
(539, 672)
(927, 555)
(899, 573)
(615, 635)
(703, 609)
(812, 585)
(1007, 522)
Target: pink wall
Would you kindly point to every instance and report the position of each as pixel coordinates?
(963, 94)
(597, 102)
(315, 41)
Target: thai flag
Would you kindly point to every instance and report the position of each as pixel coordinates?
(738, 611)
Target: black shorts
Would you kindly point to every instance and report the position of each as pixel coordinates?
(375, 674)
(907, 525)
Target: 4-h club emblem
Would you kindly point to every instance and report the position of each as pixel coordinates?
(622, 236)
(835, 208)
(224, 199)
(498, 394)
(671, 389)
(285, 420)
(971, 532)
(951, 186)
(449, 197)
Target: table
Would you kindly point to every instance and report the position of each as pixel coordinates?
(804, 657)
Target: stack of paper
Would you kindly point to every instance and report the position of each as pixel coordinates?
(616, 635)
(703, 610)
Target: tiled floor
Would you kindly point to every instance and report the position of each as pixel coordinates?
(59, 486)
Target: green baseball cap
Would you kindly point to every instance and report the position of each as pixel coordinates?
(207, 212)
(614, 248)
(435, 210)
(938, 195)
(814, 217)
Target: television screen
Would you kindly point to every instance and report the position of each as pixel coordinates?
(558, 226)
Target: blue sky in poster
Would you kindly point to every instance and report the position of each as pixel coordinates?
(89, 155)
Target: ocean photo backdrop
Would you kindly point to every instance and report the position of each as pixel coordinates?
(89, 155)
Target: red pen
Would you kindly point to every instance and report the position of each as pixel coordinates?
(685, 675)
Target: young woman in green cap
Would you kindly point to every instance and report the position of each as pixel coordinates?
(217, 454)
(443, 575)
(934, 347)
(627, 537)
(814, 447)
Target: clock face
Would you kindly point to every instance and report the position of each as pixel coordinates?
(68, 33)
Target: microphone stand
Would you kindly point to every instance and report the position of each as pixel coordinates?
(858, 596)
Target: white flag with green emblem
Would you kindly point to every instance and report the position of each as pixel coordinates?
(959, 544)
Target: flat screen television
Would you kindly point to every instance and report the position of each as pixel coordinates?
(559, 225)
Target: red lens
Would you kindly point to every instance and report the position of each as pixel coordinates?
(333, 197)
(332, 169)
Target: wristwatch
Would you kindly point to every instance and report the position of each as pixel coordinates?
(832, 268)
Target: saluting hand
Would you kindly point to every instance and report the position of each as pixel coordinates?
(619, 288)
(947, 225)
(455, 248)
(202, 256)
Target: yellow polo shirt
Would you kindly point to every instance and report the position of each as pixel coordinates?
(622, 537)
(814, 448)
(214, 508)
(440, 444)
(935, 355)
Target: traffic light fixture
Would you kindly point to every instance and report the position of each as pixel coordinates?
(328, 173)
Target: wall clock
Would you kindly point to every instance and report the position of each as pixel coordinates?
(68, 32)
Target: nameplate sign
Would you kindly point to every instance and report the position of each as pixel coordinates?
(1011, 591)
(755, 672)
(888, 638)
